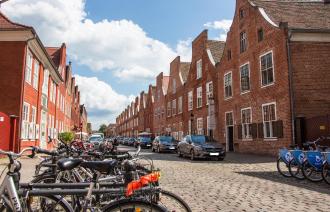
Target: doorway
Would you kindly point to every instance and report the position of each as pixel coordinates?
(230, 138)
(43, 129)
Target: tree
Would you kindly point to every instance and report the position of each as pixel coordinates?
(103, 128)
(66, 137)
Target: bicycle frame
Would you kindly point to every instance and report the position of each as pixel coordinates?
(8, 185)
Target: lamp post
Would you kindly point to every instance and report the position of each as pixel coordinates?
(211, 122)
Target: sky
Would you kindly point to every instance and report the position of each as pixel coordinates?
(118, 47)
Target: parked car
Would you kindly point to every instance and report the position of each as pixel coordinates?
(96, 140)
(145, 142)
(200, 146)
(131, 141)
(164, 144)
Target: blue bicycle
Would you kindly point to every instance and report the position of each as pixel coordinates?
(326, 168)
(284, 158)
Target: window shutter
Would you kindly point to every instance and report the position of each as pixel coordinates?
(239, 131)
(254, 130)
(260, 130)
(278, 128)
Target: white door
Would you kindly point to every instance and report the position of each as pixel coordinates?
(43, 130)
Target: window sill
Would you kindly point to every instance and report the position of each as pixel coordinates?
(245, 92)
(265, 86)
(270, 139)
(228, 98)
(247, 139)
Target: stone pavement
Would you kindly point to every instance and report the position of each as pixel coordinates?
(240, 183)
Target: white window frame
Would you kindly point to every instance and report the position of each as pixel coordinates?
(240, 78)
(173, 107)
(28, 67)
(45, 83)
(271, 124)
(246, 135)
(273, 66)
(224, 85)
(190, 100)
(25, 121)
(245, 40)
(199, 69)
(200, 126)
(209, 94)
(232, 112)
(180, 105)
(36, 74)
(169, 108)
(33, 114)
(199, 96)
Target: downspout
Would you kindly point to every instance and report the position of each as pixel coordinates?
(291, 92)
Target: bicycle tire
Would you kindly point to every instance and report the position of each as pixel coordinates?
(326, 172)
(178, 199)
(129, 204)
(296, 174)
(279, 161)
(308, 175)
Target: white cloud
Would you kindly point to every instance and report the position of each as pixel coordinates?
(103, 103)
(184, 49)
(223, 26)
(120, 46)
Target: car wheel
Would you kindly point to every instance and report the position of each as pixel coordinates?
(192, 155)
(179, 152)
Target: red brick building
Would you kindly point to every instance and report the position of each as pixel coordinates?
(175, 97)
(149, 110)
(33, 77)
(159, 116)
(267, 76)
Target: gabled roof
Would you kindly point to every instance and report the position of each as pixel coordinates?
(216, 49)
(55, 54)
(166, 81)
(5, 23)
(299, 14)
(184, 71)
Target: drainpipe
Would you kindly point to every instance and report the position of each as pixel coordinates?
(292, 97)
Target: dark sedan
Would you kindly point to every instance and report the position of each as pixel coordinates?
(200, 146)
(145, 142)
(164, 144)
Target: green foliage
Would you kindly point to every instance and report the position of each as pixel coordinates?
(66, 137)
(102, 129)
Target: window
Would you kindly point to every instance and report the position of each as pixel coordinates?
(45, 82)
(36, 75)
(33, 114)
(228, 85)
(190, 101)
(25, 121)
(200, 130)
(267, 69)
(269, 116)
(199, 97)
(174, 107)
(28, 70)
(51, 91)
(241, 14)
(243, 42)
(199, 69)
(260, 34)
(209, 92)
(229, 119)
(246, 123)
(174, 86)
(245, 78)
(180, 105)
(229, 54)
(169, 109)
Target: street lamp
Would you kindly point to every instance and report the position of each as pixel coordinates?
(191, 123)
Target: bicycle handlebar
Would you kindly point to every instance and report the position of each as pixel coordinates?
(17, 155)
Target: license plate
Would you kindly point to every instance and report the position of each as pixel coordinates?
(148, 145)
(172, 147)
(214, 154)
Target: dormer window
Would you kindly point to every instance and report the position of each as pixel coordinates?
(243, 41)
(229, 54)
(199, 69)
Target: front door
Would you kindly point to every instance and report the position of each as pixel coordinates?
(43, 129)
(230, 138)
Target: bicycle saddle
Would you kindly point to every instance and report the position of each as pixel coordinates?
(102, 166)
(68, 164)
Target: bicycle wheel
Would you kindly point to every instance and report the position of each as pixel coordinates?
(172, 202)
(283, 168)
(326, 173)
(311, 173)
(47, 203)
(295, 170)
(127, 205)
(44, 179)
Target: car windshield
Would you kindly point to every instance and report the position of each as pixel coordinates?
(199, 139)
(166, 139)
(145, 139)
(98, 138)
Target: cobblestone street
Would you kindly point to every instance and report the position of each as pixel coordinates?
(240, 183)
